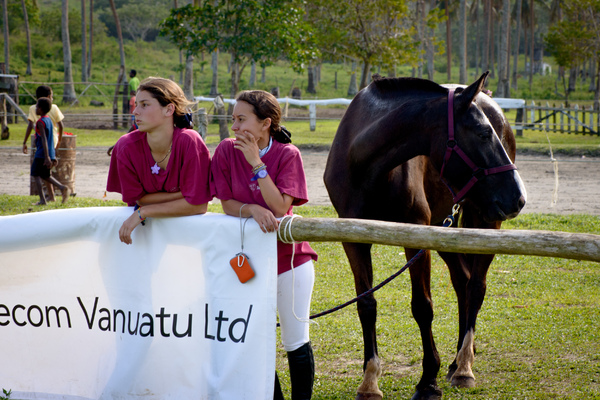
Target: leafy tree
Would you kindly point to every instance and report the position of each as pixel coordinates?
(250, 30)
(377, 32)
(576, 37)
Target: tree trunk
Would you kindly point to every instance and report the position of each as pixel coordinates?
(517, 41)
(572, 78)
(188, 79)
(485, 65)
(597, 95)
(311, 81)
(121, 77)
(214, 64)
(492, 45)
(429, 44)
(503, 86)
(28, 35)
(83, 43)
(448, 45)
(592, 72)
(477, 36)
(420, 35)
(353, 87)
(252, 80)
(531, 46)
(69, 88)
(6, 37)
(462, 42)
(89, 60)
(365, 75)
(235, 82)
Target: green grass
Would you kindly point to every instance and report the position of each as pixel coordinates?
(538, 333)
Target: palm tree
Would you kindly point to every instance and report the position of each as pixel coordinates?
(121, 78)
(28, 35)
(69, 88)
(83, 43)
(89, 61)
(462, 42)
(6, 47)
(448, 43)
(503, 59)
(518, 7)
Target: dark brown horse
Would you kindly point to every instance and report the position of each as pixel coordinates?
(385, 162)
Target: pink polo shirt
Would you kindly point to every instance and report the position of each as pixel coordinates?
(231, 179)
(188, 169)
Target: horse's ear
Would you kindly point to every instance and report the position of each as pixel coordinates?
(464, 98)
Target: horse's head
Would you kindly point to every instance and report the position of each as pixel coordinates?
(475, 164)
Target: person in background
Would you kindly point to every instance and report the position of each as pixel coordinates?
(44, 158)
(260, 174)
(56, 116)
(134, 81)
(163, 167)
(133, 126)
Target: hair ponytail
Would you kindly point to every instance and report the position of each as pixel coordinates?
(282, 135)
(184, 121)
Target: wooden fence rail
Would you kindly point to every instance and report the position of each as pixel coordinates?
(576, 246)
(579, 120)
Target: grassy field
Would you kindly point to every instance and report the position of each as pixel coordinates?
(538, 333)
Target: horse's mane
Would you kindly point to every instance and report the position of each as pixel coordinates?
(383, 84)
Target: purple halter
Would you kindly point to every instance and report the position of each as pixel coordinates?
(452, 145)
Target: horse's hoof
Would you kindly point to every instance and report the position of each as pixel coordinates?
(451, 370)
(368, 396)
(463, 382)
(430, 393)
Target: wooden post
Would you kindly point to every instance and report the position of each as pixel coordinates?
(519, 121)
(222, 117)
(576, 246)
(547, 117)
(576, 112)
(554, 128)
(532, 115)
(562, 119)
(312, 114)
(4, 133)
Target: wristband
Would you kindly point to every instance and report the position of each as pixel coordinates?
(258, 168)
(138, 208)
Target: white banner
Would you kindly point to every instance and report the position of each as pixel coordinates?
(84, 316)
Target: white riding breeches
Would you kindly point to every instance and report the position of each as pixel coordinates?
(295, 331)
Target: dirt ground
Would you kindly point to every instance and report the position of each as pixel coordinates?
(578, 184)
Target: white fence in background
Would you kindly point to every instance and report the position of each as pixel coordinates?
(312, 105)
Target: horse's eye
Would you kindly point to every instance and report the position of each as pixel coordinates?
(484, 135)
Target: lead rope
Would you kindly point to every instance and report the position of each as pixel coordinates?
(287, 238)
(555, 167)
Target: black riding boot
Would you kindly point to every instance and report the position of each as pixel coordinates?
(302, 371)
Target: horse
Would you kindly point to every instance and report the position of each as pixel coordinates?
(409, 150)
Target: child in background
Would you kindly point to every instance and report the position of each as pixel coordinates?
(45, 158)
(55, 115)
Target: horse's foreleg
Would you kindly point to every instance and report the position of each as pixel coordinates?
(422, 309)
(468, 274)
(359, 256)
